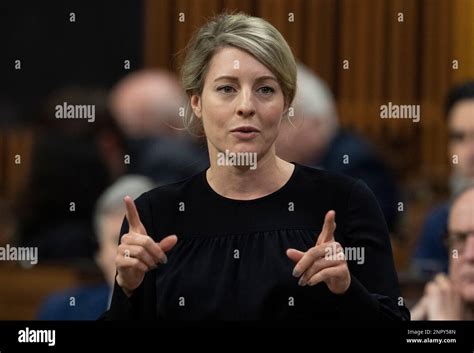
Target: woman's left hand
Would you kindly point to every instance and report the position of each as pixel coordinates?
(325, 262)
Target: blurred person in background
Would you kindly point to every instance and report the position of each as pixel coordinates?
(430, 254)
(73, 161)
(148, 107)
(313, 137)
(102, 129)
(451, 297)
(90, 301)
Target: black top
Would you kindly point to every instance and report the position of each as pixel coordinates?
(230, 260)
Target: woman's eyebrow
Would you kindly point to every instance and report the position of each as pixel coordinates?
(225, 77)
(263, 78)
(233, 78)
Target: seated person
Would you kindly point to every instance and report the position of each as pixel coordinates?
(312, 136)
(451, 297)
(430, 254)
(89, 302)
(146, 106)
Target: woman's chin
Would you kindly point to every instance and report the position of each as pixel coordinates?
(243, 148)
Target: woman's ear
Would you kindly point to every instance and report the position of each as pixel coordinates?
(196, 105)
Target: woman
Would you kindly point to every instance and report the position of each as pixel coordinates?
(253, 236)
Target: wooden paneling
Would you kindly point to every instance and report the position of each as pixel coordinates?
(462, 38)
(23, 290)
(15, 159)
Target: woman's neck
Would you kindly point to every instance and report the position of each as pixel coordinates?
(246, 183)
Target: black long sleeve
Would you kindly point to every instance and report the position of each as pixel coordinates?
(230, 260)
(365, 228)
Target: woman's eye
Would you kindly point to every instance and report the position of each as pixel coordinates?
(266, 90)
(226, 89)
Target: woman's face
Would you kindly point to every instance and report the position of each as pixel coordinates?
(241, 105)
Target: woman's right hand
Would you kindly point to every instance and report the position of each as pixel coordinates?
(138, 253)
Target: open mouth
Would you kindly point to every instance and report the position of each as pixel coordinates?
(245, 132)
(245, 129)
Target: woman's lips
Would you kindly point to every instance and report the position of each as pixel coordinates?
(244, 135)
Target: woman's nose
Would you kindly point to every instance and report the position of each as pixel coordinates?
(245, 106)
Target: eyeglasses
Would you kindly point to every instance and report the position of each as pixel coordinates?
(457, 240)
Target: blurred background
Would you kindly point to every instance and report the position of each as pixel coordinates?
(60, 178)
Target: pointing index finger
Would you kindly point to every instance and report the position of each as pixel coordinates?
(327, 234)
(133, 218)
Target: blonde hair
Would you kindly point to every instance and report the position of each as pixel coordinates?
(251, 34)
